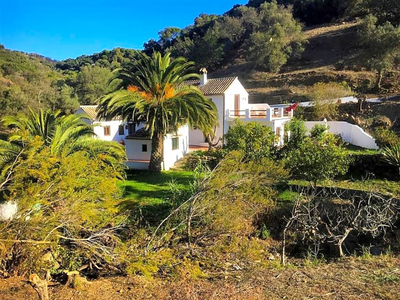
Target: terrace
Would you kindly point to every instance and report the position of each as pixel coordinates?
(268, 114)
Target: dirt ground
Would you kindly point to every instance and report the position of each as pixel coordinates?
(350, 278)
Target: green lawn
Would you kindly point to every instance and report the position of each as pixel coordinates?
(149, 194)
(352, 149)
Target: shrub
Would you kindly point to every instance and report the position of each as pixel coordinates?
(325, 98)
(381, 122)
(391, 154)
(366, 164)
(298, 133)
(385, 137)
(253, 139)
(209, 159)
(315, 160)
(318, 132)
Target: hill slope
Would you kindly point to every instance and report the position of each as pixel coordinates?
(331, 55)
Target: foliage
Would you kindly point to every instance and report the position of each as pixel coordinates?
(91, 83)
(318, 132)
(325, 98)
(317, 159)
(209, 159)
(298, 133)
(384, 10)
(153, 92)
(230, 201)
(381, 45)
(253, 139)
(63, 135)
(64, 184)
(313, 12)
(31, 81)
(391, 154)
(385, 137)
(275, 38)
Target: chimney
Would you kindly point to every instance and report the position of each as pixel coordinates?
(203, 76)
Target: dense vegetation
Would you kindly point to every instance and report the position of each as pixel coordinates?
(268, 35)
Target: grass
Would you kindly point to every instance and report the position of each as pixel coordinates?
(352, 149)
(147, 195)
(149, 188)
(387, 187)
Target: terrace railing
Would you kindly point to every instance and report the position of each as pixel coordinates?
(261, 114)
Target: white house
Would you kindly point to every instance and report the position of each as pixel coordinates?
(114, 130)
(136, 140)
(138, 148)
(232, 101)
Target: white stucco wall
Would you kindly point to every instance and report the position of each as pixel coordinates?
(196, 137)
(133, 148)
(137, 159)
(352, 134)
(114, 134)
(172, 156)
(98, 128)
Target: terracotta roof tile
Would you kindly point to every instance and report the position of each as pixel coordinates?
(90, 110)
(214, 86)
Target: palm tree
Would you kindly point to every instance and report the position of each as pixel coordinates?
(64, 135)
(153, 92)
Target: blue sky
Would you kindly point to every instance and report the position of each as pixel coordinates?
(67, 29)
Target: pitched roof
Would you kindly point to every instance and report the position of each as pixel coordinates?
(213, 86)
(140, 134)
(91, 111)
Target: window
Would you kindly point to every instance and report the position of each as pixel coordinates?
(106, 130)
(144, 148)
(175, 143)
(121, 130)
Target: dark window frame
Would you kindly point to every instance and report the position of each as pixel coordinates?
(175, 143)
(121, 130)
(107, 130)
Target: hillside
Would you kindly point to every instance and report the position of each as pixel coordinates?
(330, 55)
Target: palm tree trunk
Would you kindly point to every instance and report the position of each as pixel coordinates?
(156, 156)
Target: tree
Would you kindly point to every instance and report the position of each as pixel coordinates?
(384, 10)
(63, 135)
(253, 139)
(277, 37)
(153, 91)
(91, 83)
(298, 133)
(325, 96)
(317, 219)
(381, 46)
(318, 159)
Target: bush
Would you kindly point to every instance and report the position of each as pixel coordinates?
(385, 137)
(315, 160)
(298, 133)
(381, 122)
(253, 139)
(370, 164)
(209, 159)
(325, 97)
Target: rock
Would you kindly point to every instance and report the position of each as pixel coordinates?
(8, 210)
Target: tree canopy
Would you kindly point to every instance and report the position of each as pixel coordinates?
(154, 92)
